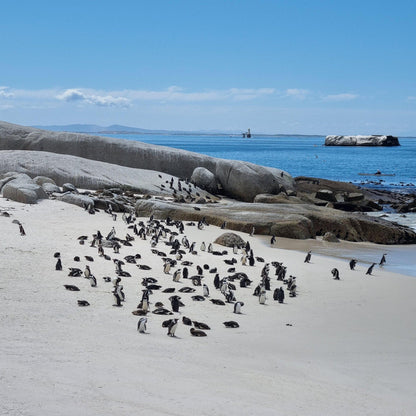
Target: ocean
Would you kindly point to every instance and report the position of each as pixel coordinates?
(307, 156)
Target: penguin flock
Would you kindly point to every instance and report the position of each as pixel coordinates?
(179, 273)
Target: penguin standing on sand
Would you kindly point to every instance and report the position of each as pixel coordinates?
(203, 247)
(281, 295)
(383, 259)
(217, 281)
(262, 296)
(172, 327)
(235, 249)
(308, 257)
(116, 297)
(205, 290)
(353, 263)
(87, 272)
(141, 325)
(273, 239)
(58, 265)
(185, 273)
(93, 281)
(335, 273)
(166, 268)
(238, 306)
(174, 301)
(21, 229)
(177, 275)
(370, 269)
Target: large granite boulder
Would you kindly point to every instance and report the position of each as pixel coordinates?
(22, 189)
(76, 199)
(230, 240)
(204, 179)
(240, 180)
(87, 174)
(284, 220)
(373, 140)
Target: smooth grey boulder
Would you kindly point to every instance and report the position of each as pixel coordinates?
(88, 174)
(204, 179)
(372, 140)
(284, 220)
(76, 199)
(40, 180)
(51, 188)
(68, 187)
(230, 240)
(281, 198)
(23, 189)
(240, 180)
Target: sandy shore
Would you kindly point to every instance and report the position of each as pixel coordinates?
(350, 349)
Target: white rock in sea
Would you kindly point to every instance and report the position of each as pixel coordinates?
(372, 140)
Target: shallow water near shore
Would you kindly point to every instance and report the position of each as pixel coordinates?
(400, 258)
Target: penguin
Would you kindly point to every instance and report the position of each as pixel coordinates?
(93, 281)
(223, 225)
(383, 259)
(308, 257)
(231, 324)
(244, 260)
(209, 248)
(203, 247)
(281, 295)
(224, 286)
(335, 273)
(166, 267)
(238, 306)
(22, 230)
(273, 239)
(253, 230)
(87, 272)
(177, 275)
(117, 298)
(185, 273)
(172, 327)
(217, 281)
(186, 321)
(205, 290)
(174, 301)
(145, 305)
(141, 325)
(235, 249)
(58, 265)
(370, 269)
(197, 333)
(262, 296)
(353, 263)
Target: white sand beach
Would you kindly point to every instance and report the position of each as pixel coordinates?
(350, 348)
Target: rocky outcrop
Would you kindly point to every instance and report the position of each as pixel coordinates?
(285, 220)
(230, 240)
(88, 174)
(373, 140)
(239, 180)
(22, 188)
(205, 179)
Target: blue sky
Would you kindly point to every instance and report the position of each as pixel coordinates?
(282, 66)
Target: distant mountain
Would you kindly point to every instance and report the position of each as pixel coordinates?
(119, 129)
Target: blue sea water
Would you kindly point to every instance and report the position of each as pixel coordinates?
(304, 156)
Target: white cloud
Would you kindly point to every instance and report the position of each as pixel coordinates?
(4, 93)
(298, 93)
(340, 97)
(74, 94)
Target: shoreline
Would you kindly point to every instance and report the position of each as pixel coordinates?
(400, 258)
